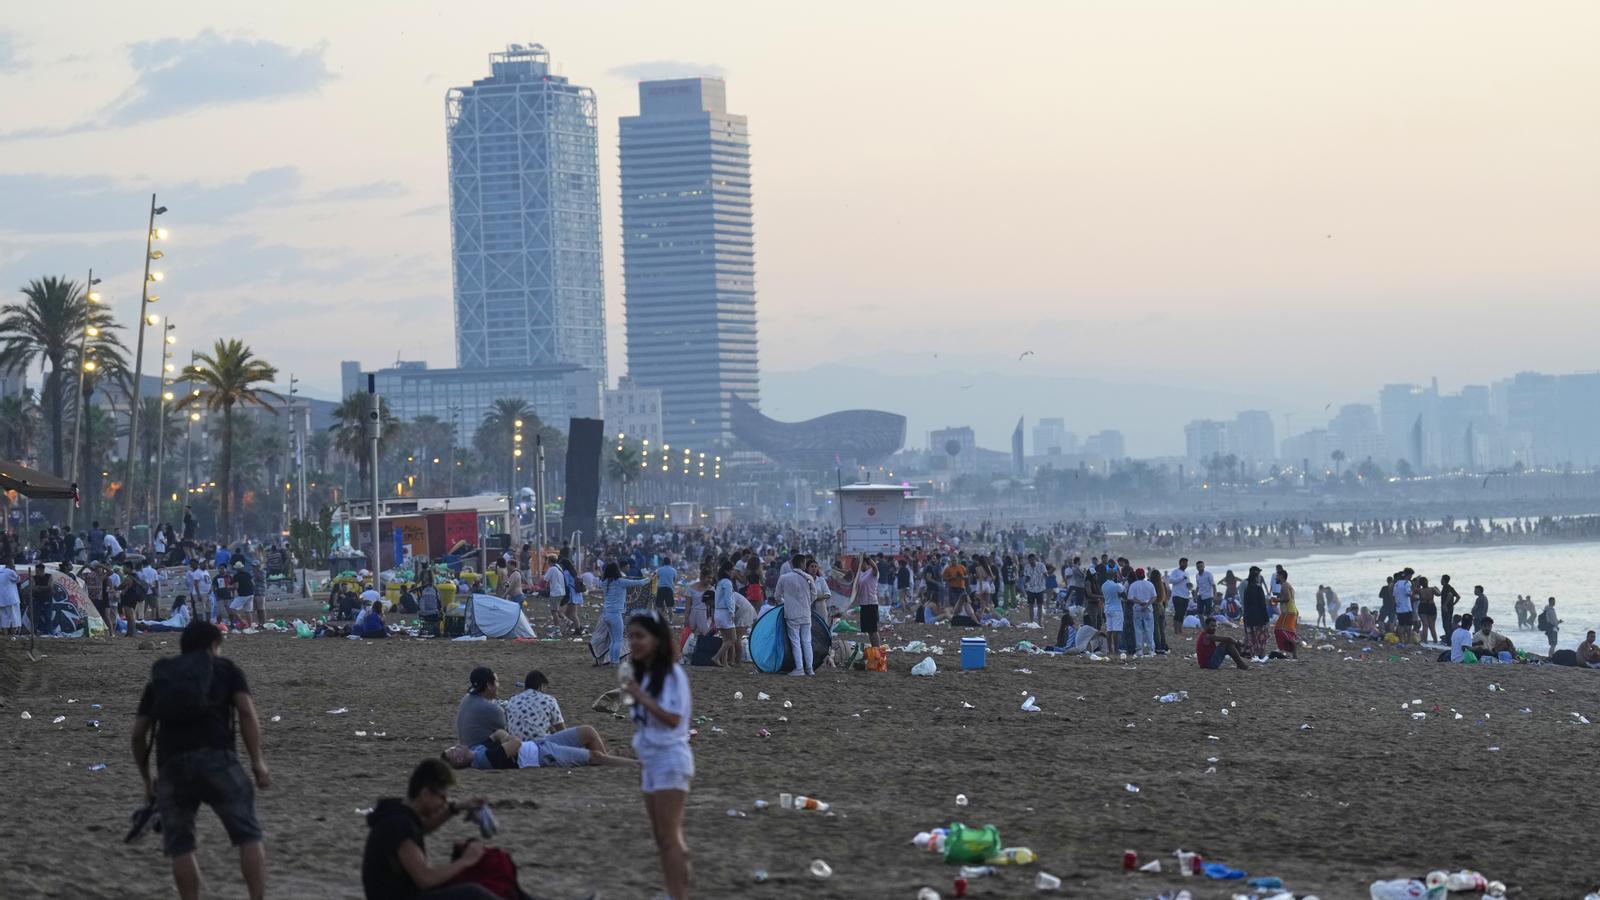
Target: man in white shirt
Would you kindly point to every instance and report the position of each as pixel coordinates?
(199, 581)
(1205, 589)
(113, 547)
(10, 599)
(867, 598)
(152, 588)
(1460, 639)
(555, 590)
(1033, 587)
(1178, 582)
(795, 592)
(1143, 594)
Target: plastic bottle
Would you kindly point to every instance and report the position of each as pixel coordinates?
(811, 803)
(1012, 856)
(1046, 882)
(821, 869)
(1466, 880)
(977, 871)
(1400, 889)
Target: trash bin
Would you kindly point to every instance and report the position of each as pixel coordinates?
(974, 653)
(353, 562)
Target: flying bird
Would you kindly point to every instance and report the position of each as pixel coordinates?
(1023, 354)
(972, 385)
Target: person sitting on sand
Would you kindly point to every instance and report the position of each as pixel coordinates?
(479, 715)
(1347, 619)
(370, 625)
(534, 714)
(929, 613)
(1367, 624)
(395, 860)
(1460, 638)
(568, 749)
(1490, 642)
(964, 616)
(1210, 649)
(1588, 654)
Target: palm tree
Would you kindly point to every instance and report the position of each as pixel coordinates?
(496, 437)
(1338, 458)
(19, 425)
(622, 462)
(349, 430)
(47, 327)
(229, 377)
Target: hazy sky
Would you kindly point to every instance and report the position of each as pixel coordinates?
(1295, 202)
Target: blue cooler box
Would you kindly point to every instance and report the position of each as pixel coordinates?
(974, 653)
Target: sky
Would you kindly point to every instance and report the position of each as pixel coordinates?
(1182, 208)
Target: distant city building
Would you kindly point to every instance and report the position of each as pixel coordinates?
(633, 412)
(1313, 450)
(461, 397)
(1051, 437)
(688, 256)
(856, 437)
(1204, 439)
(1409, 414)
(954, 449)
(525, 217)
(1107, 445)
(1355, 429)
(1252, 438)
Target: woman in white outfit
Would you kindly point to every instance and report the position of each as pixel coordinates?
(662, 708)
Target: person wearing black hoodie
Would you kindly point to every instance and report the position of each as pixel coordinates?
(394, 865)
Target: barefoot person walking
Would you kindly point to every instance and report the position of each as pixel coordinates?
(662, 708)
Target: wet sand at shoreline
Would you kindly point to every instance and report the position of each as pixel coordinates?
(1364, 792)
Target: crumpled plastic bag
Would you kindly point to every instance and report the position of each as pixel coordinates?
(926, 667)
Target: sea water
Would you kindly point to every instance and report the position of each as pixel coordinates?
(1559, 570)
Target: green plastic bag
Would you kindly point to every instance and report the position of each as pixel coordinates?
(1467, 656)
(968, 846)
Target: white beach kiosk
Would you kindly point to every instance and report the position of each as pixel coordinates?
(872, 516)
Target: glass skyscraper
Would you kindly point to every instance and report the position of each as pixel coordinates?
(688, 257)
(525, 217)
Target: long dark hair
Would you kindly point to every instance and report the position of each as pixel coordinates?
(725, 570)
(613, 572)
(660, 663)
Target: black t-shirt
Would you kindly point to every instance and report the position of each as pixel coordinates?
(219, 585)
(243, 583)
(214, 730)
(41, 587)
(390, 824)
(1343, 622)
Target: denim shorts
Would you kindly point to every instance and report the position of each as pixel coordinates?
(212, 777)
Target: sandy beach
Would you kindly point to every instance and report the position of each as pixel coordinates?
(1321, 778)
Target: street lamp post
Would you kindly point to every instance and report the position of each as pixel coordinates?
(90, 298)
(146, 298)
(513, 521)
(167, 370)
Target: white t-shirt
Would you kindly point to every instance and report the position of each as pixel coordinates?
(1178, 580)
(370, 596)
(649, 733)
(744, 612)
(1402, 596)
(1460, 641)
(556, 582)
(150, 577)
(110, 543)
(1142, 592)
(1205, 584)
(531, 714)
(8, 588)
(199, 582)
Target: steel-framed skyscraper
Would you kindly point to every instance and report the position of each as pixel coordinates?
(525, 217)
(688, 256)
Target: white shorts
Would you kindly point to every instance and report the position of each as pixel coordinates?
(11, 616)
(241, 603)
(723, 619)
(671, 770)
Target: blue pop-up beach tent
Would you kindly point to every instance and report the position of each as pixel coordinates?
(769, 642)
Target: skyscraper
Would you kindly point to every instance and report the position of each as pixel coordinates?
(525, 217)
(688, 256)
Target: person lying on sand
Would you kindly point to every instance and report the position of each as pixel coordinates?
(1210, 649)
(566, 749)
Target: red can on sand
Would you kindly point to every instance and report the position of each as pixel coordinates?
(961, 887)
(1196, 863)
(1130, 860)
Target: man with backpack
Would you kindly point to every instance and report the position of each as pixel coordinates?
(191, 702)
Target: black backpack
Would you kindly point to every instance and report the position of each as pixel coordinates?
(182, 688)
